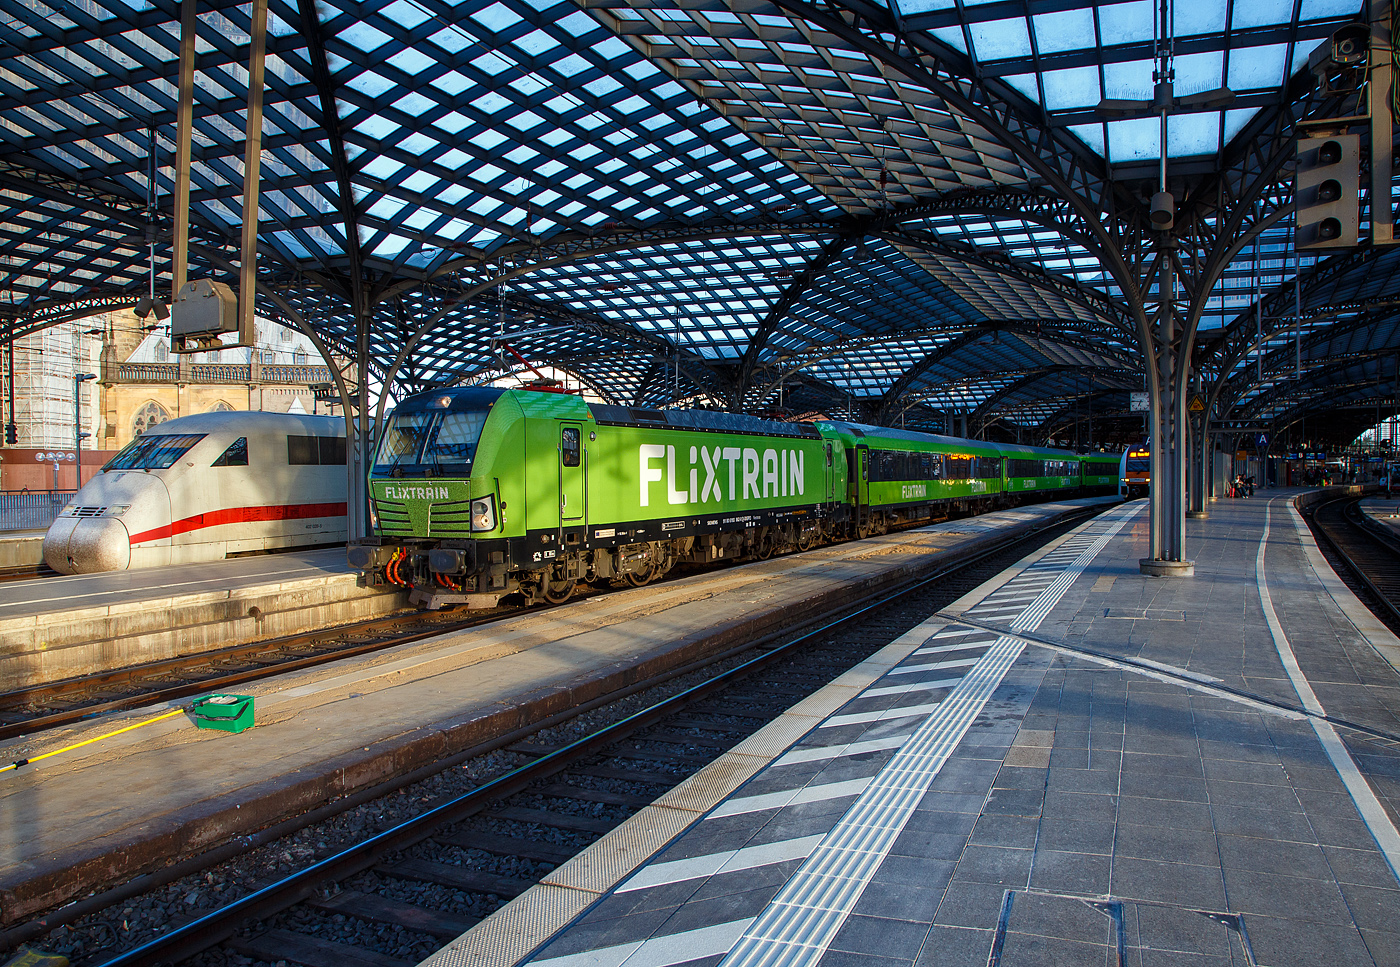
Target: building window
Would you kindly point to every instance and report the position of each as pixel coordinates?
(162, 351)
(148, 416)
(221, 407)
(299, 357)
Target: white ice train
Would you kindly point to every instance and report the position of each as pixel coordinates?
(202, 488)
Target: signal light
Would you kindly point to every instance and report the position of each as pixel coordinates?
(11, 434)
(1327, 192)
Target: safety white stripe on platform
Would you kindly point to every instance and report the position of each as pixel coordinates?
(961, 646)
(791, 797)
(934, 666)
(1373, 814)
(880, 715)
(910, 687)
(796, 928)
(675, 948)
(728, 861)
(817, 753)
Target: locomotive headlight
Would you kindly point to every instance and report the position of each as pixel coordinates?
(117, 510)
(484, 514)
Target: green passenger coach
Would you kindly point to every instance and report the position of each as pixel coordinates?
(478, 492)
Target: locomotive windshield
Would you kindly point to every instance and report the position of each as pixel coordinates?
(1139, 465)
(445, 442)
(153, 451)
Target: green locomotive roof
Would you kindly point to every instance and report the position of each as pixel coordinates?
(712, 420)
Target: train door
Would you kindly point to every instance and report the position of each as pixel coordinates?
(830, 473)
(571, 476)
(862, 494)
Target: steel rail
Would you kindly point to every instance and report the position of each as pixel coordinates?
(1322, 528)
(215, 682)
(217, 926)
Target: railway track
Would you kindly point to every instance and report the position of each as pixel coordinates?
(1366, 559)
(27, 711)
(454, 848)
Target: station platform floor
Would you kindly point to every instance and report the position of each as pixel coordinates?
(1075, 764)
(154, 587)
(94, 817)
(56, 627)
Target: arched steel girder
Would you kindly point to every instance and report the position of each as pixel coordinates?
(799, 287)
(1277, 305)
(1071, 415)
(1280, 360)
(53, 313)
(1329, 382)
(694, 367)
(1047, 211)
(1360, 397)
(1092, 300)
(890, 400)
(1028, 378)
(1068, 168)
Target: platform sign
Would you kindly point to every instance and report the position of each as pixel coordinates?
(1261, 441)
(1139, 402)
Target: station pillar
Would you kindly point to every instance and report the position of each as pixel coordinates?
(1168, 372)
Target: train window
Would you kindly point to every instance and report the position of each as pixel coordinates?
(828, 454)
(332, 451)
(152, 451)
(569, 446)
(403, 438)
(302, 451)
(235, 456)
(455, 439)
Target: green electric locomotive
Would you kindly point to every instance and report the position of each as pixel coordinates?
(478, 492)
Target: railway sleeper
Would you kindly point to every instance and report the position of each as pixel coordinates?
(379, 909)
(499, 845)
(541, 817)
(282, 945)
(566, 790)
(456, 877)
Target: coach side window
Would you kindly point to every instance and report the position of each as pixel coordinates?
(235, 456)
(569, 446)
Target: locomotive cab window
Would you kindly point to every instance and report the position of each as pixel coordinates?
(569, 446)
(452, 443)
(235, 456)
(152, 451)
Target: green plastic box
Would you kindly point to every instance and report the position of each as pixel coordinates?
(227, 713)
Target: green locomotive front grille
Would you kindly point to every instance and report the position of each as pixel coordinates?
(393, 518)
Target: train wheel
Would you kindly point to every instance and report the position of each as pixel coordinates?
(557, 592)
(806, 537)
(638, 578)
(767, 543)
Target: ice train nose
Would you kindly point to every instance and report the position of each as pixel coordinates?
(90, 544)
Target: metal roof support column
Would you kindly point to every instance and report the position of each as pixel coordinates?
(252, 166)
(184, 132)
(359, 437)
(1167, 385)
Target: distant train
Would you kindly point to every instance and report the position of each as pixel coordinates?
(202, 488)
(478, 492)
(1135, 472)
